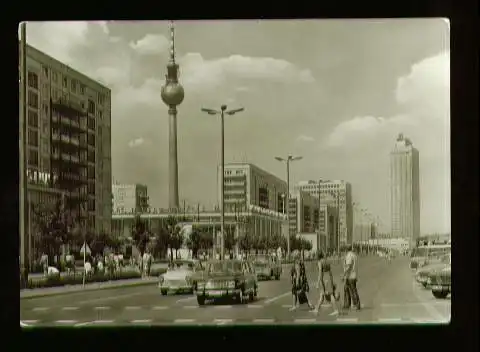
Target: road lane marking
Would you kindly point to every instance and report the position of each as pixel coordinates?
(102, 308)
(186, 299)
(40, 309)
(390, 320)
(273, 299)
(434, 313)
(416, 304)
(263, 321)
(29, 321)
(254, 306)
(132, 307)
(65, 321)
(69, 308)
(141, 321)
(94, 322)
(190, 307)
(183, 321)
(305, 321)
(94, 300)
(222, 307)
(429, 321)
(159, 308)
(286, 306)
(347, 320)
(223, 321)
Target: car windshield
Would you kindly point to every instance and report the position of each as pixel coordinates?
(224, 266)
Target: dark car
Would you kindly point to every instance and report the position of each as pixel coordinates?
(230, 279)
(440, 282)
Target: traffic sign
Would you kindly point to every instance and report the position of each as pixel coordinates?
(83, 249)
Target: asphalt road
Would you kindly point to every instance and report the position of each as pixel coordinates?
(388, 293)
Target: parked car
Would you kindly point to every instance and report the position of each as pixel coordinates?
(229, 279)
(180, 277)
(440, 282)
(421, 274)
(267, 267)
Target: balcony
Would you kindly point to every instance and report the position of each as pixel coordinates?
(234, 191)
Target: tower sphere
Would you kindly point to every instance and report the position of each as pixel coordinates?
(173, 93)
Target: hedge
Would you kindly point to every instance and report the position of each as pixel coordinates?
(56, 281)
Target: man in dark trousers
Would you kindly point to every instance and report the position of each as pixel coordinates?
(350, 279)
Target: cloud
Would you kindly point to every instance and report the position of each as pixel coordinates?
(423, 95)
(136, 142)
(198, 72)
(304, 138)
(151, 44)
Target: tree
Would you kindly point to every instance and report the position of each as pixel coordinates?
(193, 242)
(245, 242)
(206, 240)
(229, 240)
(139, 234)
(175, 237)
(52, 228)
(162, 238)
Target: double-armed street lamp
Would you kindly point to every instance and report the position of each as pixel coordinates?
(222, 112)
(287, 161)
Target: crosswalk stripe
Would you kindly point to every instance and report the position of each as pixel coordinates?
(184, 320)
(263, 321)
(141, 321)
(159, 307)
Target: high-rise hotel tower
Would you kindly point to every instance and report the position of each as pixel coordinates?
(405, 190)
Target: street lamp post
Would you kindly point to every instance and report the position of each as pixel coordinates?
(287, 161)
(223, 110)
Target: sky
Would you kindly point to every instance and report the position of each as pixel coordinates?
(336, 92)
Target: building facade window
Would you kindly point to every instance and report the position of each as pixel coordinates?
(82, 89)
(32, 118)
(65, 82)
(33, 99)
(32, 80)
(91, 140)
(91, 123)
(33, 138)
(33, 157)
(91, 107)
(73, 85)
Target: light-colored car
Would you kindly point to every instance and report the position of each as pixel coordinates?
(230, 278)
(267, 267)
(421, 275)
(180, 277)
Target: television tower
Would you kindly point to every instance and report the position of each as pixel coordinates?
(172, 95)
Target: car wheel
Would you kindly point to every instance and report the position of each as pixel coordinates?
(201, 300)
(440, 294)
(164, 292)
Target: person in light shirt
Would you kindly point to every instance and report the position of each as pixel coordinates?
(350, 277)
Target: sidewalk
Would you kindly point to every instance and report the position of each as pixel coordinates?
(52, 291)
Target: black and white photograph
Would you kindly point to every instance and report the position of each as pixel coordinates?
(234, 172)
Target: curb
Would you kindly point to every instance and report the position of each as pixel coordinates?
(88, 289)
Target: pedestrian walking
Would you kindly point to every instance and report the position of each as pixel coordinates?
(350, 278)
(326, 285)
(44, 263)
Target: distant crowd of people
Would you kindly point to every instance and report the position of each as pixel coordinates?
(326, 283)
(109, 263)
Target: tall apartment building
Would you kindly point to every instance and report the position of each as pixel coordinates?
(247, 184)
(69, 139)
(130, 198)
(341, 192)
(405, 190)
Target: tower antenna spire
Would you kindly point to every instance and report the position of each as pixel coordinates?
(172, 42)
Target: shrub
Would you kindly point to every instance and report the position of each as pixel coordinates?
(56, 281)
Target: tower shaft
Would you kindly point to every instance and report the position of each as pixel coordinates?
(173, 200)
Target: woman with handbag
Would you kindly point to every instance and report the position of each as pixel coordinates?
(294, 278)
(326, 285)
(302, 287)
